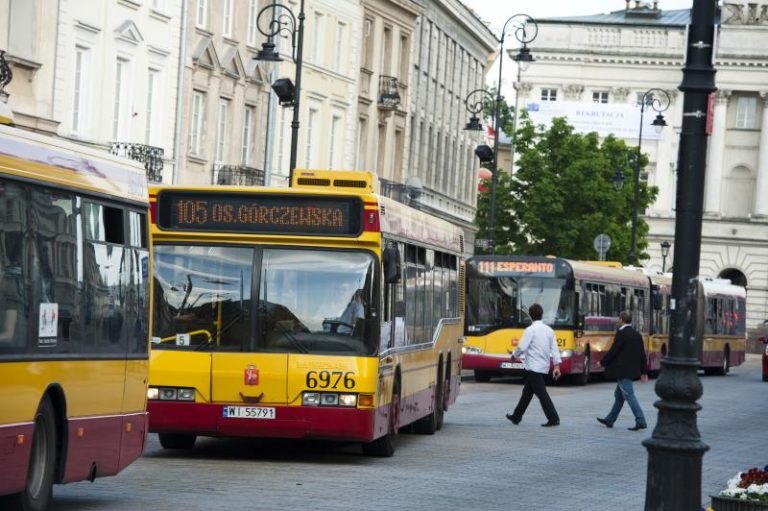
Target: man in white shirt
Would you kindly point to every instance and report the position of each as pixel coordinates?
(538, 345)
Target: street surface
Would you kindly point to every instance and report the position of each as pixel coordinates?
(479, 461)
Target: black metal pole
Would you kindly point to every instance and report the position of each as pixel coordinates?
(297, 95)
(675, 450)
(495, 170)
(636, 188)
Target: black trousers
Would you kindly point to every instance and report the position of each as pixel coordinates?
(534, 384)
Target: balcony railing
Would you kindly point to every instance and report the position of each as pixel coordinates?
(389, 97)
(150, 156)
(237, 175)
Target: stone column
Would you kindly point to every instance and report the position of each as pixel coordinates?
(715, 160)
(761, 188)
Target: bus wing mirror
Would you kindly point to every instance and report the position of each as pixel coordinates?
(391, 260)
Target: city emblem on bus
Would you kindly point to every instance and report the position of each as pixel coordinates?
(251, 375)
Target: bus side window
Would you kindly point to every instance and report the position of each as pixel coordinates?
(13, 299)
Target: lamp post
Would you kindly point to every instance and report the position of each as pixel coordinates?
(658, 100)
(664, 253)
(525, 31)
(284, 21)
(675, 450)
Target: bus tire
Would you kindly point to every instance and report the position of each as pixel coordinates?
(176, 441)
(582, 378)
(446, 394)
(384, 447)
(38, 491)
(431, 423)
(725, 368)
(482, 376)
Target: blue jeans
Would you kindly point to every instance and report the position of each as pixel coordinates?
(625, 392)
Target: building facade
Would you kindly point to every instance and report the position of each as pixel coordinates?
(414, 79)
(99, 73)
(388, 28)
(116, 66)
(328, 108)
(617, 58)
(224, 113)
(29, 38)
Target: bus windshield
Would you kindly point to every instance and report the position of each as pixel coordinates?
(502, 302)
(309, 301)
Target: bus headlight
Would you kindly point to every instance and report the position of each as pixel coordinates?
(471, 350)
(348, 400)
(168, 394)
(566, 353)
(186, 395)
(329, 399)
(153, 393)
(310, 399)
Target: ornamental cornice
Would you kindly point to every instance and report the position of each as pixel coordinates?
(730, 60)
(611, 60)
(764, 96)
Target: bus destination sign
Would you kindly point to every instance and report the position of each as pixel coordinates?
(516, 267)
(260, 214)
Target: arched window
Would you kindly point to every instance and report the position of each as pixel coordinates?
(736, 277)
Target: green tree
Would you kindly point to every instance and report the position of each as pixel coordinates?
(563, 193)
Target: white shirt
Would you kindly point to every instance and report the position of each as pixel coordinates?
(538, 345)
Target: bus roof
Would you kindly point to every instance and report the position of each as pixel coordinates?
(60, 162)
(722, 287)
(405, 222)
(581, 269)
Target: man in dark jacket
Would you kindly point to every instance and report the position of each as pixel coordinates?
(625, 361)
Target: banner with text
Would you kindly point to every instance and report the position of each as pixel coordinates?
(621, 120)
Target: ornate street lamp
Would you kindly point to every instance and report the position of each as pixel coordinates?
(664, 253)
(675, 450)
(282, 20)
(658, 100)
(525, 31)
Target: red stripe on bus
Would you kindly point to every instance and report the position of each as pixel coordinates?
(291, 422)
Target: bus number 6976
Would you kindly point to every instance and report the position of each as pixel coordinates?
(330, 379)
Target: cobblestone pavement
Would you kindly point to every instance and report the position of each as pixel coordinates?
(479, 461)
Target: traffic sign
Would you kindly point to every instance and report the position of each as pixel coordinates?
(602, 243)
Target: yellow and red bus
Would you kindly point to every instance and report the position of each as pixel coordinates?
(74, 315)
(317, 311)
(581, 302)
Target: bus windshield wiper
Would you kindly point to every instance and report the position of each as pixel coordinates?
(291, 338)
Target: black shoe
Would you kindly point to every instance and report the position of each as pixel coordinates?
(512, 419)
(637, 428)
(549, 424)
(604, 422)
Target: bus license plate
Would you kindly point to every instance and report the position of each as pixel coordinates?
(512, 365)
(248, 412)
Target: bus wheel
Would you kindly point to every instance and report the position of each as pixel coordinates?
(42, 461)
(446, 395)
(726, 367)
(175, 441)
(586, 371)
(384, 447)
(482, 376)
(432, 422)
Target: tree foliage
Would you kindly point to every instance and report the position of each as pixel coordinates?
(562, 195)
